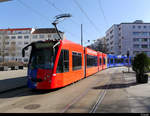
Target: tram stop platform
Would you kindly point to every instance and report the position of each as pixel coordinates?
(12, 79)
(138, 94)
(124, 95)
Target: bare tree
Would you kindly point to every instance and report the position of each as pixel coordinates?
(3, 42)
(12, 49)
(99, 46)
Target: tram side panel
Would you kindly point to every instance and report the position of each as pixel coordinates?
(91, 61)
(108, 60)
(70, 66)
(99, 61)
(104, 61)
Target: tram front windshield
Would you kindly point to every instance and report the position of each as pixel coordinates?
(42, 58)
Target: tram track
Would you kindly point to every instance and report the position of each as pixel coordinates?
(83, 99)
(84, 93)
(101, 97)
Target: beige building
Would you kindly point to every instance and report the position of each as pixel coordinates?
(13, 40)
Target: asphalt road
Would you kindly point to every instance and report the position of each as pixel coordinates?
(12, 79)
(77, 97)
(108, 91)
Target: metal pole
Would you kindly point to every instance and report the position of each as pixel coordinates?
(128, 53)
(81, 35)
(57, 30)
(128, 65)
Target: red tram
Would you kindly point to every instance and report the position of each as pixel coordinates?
(55, 64)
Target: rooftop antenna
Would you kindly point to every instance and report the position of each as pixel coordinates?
(59, 18)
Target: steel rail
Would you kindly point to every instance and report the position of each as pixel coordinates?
(76, 99)
(101, 97)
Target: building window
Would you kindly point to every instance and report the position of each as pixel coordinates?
(63, 63)
(13, 43)
(6, 54)
(133, 26)
(20, 59)
(19, 43)
(144, 46)
(7, 37)
(49, 36)
(111, 31)
(136, 39)
(144, 27)
(34, 36)
(144, 33)
(19, 48)
(111, 36)
(8, 32)
(135, 52)
(76, 61)
(26, 42)
(144, 39)
(6, 43)
(136, 46)
(26, 60)
(13, 37)
(26, 37)
(19, 37)
(41, 36)
(55, 36)
(19, 32)
(136, 33)
(139, 27)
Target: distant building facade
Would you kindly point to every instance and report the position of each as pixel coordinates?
(13, 40)
(134, 37)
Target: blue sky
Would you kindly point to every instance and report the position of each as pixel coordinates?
(102, 14)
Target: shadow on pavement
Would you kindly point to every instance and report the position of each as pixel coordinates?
(115, 86)
(25, 92)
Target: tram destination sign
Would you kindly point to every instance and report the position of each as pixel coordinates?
(43, 45)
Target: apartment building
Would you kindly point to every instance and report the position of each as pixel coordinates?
(133, 37)
(13, 40)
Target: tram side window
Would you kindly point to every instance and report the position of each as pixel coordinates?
(111, 61)
(63, 63)
(103, 60)
(108, 60)
(100, 61)
(76, 61)
(115, 60)
(122, 60)
(118, 60)
(91, 60)
(126, 60)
